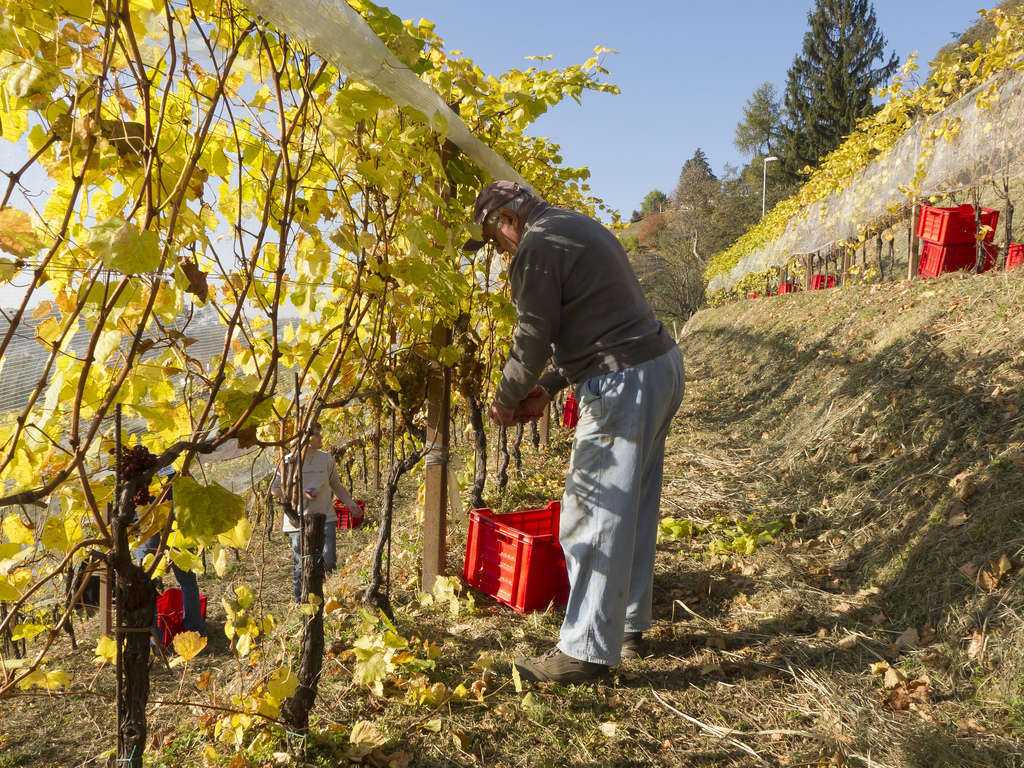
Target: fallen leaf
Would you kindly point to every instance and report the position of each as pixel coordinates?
(970, 570)
(1004, 566)
(955, 521)
(893, 678)
(909, 639)
(965, 727)
(977, 646)
(608, 729)
(847, 643)
(879, 667)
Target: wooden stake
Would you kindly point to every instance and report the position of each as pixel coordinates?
(436, 473)
(913, 258)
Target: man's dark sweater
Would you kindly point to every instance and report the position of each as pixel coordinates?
(578, 302)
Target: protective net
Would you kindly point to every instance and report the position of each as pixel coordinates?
(339, 34)
(977, 139)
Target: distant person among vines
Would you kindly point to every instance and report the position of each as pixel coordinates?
(319, 479)
(579, 303)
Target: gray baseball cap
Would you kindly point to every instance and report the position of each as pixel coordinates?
(490, 199)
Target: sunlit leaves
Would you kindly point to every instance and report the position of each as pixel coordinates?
(16, 531)
(203, 511)
(121, 246)
(106, 650)
(188, 645)
(17, 236)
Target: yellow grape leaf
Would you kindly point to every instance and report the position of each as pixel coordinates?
(7, 551)
(32, 678)
(17, 532)
(16, 235)
(220, 562)
(189, 644)
(7, 590)
(517, 681)
(8, 270)
(332, 604)
(282, 684)
(460, 693)
(60, 534)
(122, 247)
(202, 511)
(366, 734)
(239, 536)
(26, 631)
(106, 650)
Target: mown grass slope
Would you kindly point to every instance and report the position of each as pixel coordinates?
(839, 580)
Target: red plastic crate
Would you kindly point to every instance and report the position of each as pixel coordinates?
(516, 558)
(787, 288)
(820, 282)
(1014, 255)
(954, 226)
(571, 412)
(170, 614)
(753, 295)
(345, 519)
(938, 259)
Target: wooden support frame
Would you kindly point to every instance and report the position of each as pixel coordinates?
(435, 501)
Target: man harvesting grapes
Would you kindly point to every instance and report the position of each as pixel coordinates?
(579, 303)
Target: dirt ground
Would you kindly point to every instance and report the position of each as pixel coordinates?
(838, 581)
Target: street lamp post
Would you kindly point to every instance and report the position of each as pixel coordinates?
(764, 180)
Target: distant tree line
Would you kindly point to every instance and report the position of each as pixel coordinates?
(828, 89)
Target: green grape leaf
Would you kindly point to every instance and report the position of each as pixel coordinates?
(122, 247)
(202, 511)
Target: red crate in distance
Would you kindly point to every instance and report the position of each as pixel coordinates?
(787, 288)
(170, 614)
(516, 558)
(1014, 255)
(345, 518)
(939, 259)
(954, 226)
(753, 295)
(820, 282)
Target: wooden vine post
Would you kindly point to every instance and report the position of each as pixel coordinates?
(544, 425)
(435, 501)
(912, 243)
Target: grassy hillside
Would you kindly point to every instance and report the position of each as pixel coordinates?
(838, 581)
(882, 426)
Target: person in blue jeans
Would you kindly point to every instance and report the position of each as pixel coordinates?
(319, 480)
(579, 304)
(191, 608)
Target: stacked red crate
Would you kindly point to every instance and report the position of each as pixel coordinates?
(787, 288)
(1014, 255)
(516, 558)
(820, 282)
(950, 237)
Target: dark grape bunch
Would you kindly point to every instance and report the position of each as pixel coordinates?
(134, 462)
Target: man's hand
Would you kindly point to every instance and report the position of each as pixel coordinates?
(502, 416)
(532, 406)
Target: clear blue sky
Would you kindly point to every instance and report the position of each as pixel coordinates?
(686, 70)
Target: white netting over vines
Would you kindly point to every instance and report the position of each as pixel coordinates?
(980, 144)
(339, 34)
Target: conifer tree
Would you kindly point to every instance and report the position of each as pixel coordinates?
(829, 84)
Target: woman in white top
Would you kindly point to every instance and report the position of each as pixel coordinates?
(319, 479)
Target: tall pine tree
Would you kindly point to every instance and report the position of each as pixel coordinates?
(829, 85)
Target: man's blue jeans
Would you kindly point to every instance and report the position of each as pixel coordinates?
(192, 615)
(610, 508)
(330, 553)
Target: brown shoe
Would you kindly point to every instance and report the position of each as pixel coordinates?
(556, 667)
(634, 646)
